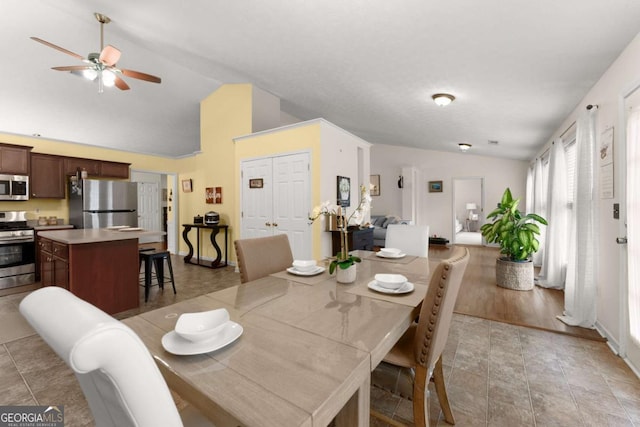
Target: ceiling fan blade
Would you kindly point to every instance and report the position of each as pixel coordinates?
(141, 76)
(73, 68)
(61, 49)
(109, 55)
(121, 84)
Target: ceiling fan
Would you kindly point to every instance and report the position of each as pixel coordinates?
(101, 66)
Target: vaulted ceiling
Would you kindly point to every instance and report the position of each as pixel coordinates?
(517, 68)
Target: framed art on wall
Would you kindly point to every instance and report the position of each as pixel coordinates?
(344, 191)
(187, 185)
(435, 186)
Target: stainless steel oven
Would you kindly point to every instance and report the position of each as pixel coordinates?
(17, 250)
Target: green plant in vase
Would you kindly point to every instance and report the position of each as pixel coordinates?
(343, 259)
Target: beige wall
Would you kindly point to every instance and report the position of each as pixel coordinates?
(436, 209)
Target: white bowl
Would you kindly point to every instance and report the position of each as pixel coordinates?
(304, 265)
(201, 326)
(390, 251)
(391, 281)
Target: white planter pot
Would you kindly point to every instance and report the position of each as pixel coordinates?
(347, 275)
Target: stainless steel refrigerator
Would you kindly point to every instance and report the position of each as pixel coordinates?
(97, 204)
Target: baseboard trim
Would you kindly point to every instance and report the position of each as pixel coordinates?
(613, 344)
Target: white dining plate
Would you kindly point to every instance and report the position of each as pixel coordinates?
(131, 229)
(317, 270)
(400, 255)
(175, 344)
(404, 289)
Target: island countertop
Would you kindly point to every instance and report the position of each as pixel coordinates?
(95, 235)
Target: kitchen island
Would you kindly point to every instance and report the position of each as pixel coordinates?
(100, 266)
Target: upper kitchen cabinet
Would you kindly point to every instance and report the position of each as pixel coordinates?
(14, 159)
(96, 168)
(47, 177)
(75, 164)
(114, 170)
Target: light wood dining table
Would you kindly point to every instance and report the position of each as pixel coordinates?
(307, 349)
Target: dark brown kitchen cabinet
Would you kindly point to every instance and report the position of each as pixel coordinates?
(75, 164)
(14, 159)
(96, 168)
(47, 179)
(114, 169)
(54, 263)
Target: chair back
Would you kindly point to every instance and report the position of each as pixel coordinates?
(118, 376)
(410, 239)
(437, 308)
(262, 256)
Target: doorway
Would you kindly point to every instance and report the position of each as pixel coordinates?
(468, 209)
(156, 205)
(628, 228)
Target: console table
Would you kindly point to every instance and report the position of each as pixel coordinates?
(356, 239)
(214, 231)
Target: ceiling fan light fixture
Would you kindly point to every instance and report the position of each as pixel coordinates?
(89, 74)
(443, 99)
(108, 78)
(464, 147)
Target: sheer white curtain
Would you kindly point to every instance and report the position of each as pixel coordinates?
(580, 286)
(539, 206)
(633, 232)
(554, 262)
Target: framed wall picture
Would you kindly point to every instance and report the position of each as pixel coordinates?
(217, 195)
(344, 191)
(187, 186)
(208, 195)
(256, 183)
(374, 185)
(435, 186)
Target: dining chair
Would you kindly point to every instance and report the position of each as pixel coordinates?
(116, 372)
(419, 350)
(410, 239)
(261, 256)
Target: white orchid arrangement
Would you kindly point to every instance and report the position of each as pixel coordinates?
(343, 259)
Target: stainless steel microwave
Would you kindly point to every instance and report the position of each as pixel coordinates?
(14, 187)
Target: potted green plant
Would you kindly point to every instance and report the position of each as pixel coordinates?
(344, 261)
(516, 233)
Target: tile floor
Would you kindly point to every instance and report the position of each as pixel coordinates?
(497, 374)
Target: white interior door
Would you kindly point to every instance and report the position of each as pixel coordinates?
(148, 206)
(291, 202)
(629, 209)
(257, 198)
(280, 202)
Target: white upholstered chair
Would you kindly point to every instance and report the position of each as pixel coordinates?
(118, 376)
(262, 256)
(410, 239)
(419, 350)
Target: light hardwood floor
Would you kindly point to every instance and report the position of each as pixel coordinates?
(480, 297)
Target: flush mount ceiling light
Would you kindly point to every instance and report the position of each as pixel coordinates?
(463, 146)
(443, 99)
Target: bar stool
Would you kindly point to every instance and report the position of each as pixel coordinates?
(155, 258)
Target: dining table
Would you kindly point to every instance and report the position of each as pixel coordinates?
(303, 345)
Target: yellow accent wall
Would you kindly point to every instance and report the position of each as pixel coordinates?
(288, 139)
(224, 114)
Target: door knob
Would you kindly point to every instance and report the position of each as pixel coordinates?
(268, 224)
(621, 240)
(275, 224)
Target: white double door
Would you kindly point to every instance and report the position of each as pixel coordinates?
(275, 196)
